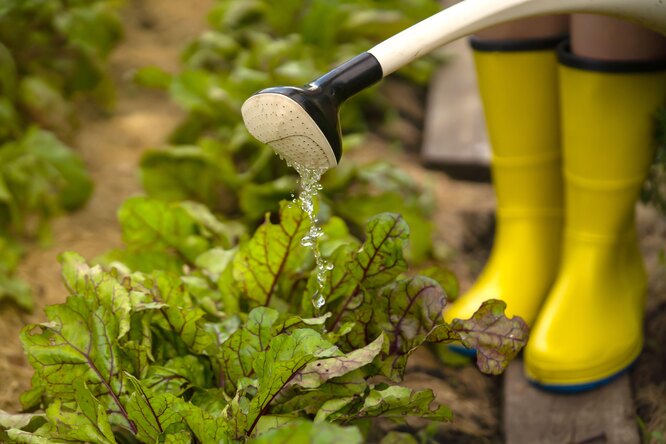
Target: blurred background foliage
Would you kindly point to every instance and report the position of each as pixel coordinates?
(52, 55)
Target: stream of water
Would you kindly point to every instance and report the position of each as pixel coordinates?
(310, 186)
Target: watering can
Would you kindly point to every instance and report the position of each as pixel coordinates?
(302, 124)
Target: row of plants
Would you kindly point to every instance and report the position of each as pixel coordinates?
(202, 329)
(51, 56)
(231, 350)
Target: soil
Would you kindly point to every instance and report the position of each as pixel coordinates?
(112, 144)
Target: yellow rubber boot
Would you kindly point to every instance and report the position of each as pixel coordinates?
(590, 327)
(518, 86)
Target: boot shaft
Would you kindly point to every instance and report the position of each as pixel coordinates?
(607, 115)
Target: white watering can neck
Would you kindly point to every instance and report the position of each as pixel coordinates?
(302, 124)
(470, 16)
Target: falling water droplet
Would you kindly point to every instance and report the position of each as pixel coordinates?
(318, 300)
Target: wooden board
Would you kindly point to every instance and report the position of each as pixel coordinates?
(533, 416)
(454, 133)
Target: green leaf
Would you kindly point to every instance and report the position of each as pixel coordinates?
(339, 282)
(180, 437)
(86, 421)
(81, 280)
(15, 289)
(305, 432)
(212, 400)
(151, 414)
(46, 103)
(239, 352)
(186, 173)
(378, 186)
(335, 234)
(93, 27)
(150, 224)
(274, 368)
(398, 438)
(214, 261)
(180, 315)
(380, 258)
(152, 77)
(80, 341)
(40, 177)
(296, 401)
(258, 199)
(177, 375)
(20, 436)
(274, 254)
(97, 419)
(205, 426)
(19, 420)
(157, 416)
(335, 407)
(74, 183)
(445, 278)
(225, 234)
(294, 322)
(396, 401)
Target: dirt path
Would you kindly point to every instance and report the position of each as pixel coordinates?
(155, 32)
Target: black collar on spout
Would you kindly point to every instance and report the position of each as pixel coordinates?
(350, 78)
(329, 91)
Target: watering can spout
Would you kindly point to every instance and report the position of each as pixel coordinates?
(301, 124)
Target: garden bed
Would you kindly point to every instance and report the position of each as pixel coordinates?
(112, 146)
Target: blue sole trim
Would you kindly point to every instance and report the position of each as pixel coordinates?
(579, 388)
(470, 352)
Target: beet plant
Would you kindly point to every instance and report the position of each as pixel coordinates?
(197, 331)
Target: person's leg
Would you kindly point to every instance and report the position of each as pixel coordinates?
(611, 84)
(517, 75)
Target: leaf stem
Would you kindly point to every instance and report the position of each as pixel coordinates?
(265, 408)
(113, 395)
